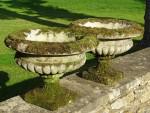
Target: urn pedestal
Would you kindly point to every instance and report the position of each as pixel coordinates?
(114, 38)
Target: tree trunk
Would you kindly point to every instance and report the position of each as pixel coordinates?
(146, 38)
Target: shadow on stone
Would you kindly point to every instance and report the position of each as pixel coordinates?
(89, 63)
(7, 92)
(103, 73)
(52, 96)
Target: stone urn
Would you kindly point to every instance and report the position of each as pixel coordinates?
(114, 38)
(50, 52)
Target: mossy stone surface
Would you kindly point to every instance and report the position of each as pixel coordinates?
(104, 73)
(82, 43)
(133, 30)
(51, 96)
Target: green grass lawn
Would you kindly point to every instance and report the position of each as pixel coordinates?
(20, 14)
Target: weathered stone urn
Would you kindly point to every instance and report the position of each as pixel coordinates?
(50, 53)
(114, 37)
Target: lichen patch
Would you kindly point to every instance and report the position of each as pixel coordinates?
(50, 36)
(51, 42)
(104, 25)
(108, 28)
(22, 46)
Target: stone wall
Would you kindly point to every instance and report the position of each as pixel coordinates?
(130, 95)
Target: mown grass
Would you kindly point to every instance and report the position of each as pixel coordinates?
(21, 14)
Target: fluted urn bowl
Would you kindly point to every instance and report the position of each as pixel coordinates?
(114, 35)
(49, 51)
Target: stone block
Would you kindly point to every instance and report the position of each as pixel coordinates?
(98, 98)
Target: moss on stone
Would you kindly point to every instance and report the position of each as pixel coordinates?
(20, 34)
(103, 73)
(82, 44)
(51, 96)
(131, 31)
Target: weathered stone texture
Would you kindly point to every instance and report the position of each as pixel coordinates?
(131, 95)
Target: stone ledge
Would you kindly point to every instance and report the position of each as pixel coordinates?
(17, 105)
(98, 98)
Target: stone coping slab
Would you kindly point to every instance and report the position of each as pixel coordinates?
(98, 98)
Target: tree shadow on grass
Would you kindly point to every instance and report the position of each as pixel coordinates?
(142, 1)
(36, 7)
(7, 92)
(13, 14)
(35, 11)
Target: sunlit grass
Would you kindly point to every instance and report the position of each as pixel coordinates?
(64, 12)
